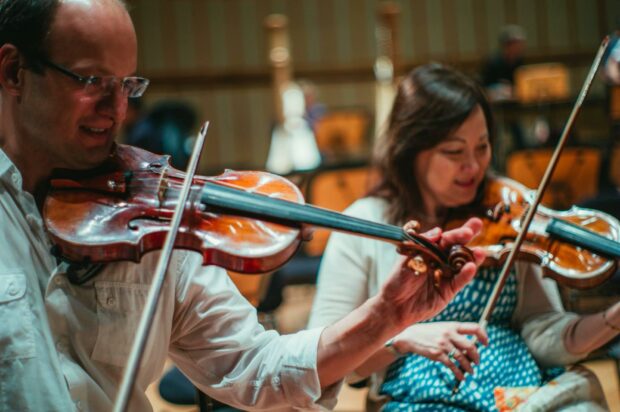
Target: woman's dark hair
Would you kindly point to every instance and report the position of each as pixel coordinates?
(432, 101)
(26, 24)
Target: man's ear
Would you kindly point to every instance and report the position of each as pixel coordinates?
(10, 78)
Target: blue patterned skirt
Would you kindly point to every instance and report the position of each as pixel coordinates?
(416, 383)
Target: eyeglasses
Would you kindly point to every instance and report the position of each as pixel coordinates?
(131, 86)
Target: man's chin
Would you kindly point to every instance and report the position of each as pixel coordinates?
(90, 158)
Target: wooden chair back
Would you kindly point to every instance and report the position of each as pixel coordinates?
(575, 177)
(335, 190)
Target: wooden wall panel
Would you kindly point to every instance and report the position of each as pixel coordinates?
(466, 35)
(182, 47)
(557, 19)
(527, 18)
(587, 33)
(212, 53)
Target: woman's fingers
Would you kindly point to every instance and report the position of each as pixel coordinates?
(463, 359)
(469, 328)
(449, 361)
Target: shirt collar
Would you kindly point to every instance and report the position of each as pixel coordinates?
(7, 168)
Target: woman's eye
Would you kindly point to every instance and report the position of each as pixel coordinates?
(452, 152)
(483, 147)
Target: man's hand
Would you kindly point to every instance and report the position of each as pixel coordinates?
(404, 299)
(407, 298)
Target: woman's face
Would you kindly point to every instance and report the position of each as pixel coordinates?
(449, 174)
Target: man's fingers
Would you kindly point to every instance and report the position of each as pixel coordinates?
(479, 255)
(307, 232)
(465, 276)
(474, 224)
(433, 235)
(461, 235)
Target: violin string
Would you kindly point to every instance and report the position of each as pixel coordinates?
(503, 276)
(306, 213)
(260, 206)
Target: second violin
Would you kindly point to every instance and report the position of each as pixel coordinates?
(577, 247)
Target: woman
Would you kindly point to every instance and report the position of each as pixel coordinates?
(434, 160)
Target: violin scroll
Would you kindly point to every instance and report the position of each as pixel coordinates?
(430, 261)
(458, 256)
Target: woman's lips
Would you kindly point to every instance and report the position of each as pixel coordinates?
(466, 184)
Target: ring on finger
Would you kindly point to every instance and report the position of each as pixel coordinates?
(451, 354)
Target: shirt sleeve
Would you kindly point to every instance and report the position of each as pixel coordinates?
(219, 344)
(345, 278)
(542, 318)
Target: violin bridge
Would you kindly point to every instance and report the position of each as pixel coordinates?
(162, 187)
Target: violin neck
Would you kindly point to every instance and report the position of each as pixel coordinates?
(235, 201)
(580, 236)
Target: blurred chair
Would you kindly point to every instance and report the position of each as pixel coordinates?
(614, 166)
(343, 134)
(575, 177)
(614, 146)
(614, 103)
(535, 83)
(335, 189)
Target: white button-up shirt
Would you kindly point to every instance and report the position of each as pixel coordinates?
(63, 346)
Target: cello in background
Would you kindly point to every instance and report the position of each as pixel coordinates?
(386, 63)
(293, 146)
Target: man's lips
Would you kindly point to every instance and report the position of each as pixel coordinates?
(97, 130)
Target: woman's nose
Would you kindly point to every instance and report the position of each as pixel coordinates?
(471, 163)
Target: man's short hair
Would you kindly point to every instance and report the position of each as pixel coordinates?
(26, 24)
(511, 33)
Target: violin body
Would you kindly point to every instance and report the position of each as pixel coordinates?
(122, 210)
(248, 222)
(573, 264)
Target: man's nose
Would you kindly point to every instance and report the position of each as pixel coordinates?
(114, 102)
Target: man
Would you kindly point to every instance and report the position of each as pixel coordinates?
(498, 71)
(63, 346)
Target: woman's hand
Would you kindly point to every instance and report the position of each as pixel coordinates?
(445, 342)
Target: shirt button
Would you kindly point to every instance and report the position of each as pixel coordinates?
(16, 179)
(59, 281)
(60, 346)
(12, 289)
(110, 300)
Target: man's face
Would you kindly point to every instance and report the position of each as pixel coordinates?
(60, 122)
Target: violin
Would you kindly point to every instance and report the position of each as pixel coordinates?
(248, 222)
(577, 247)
